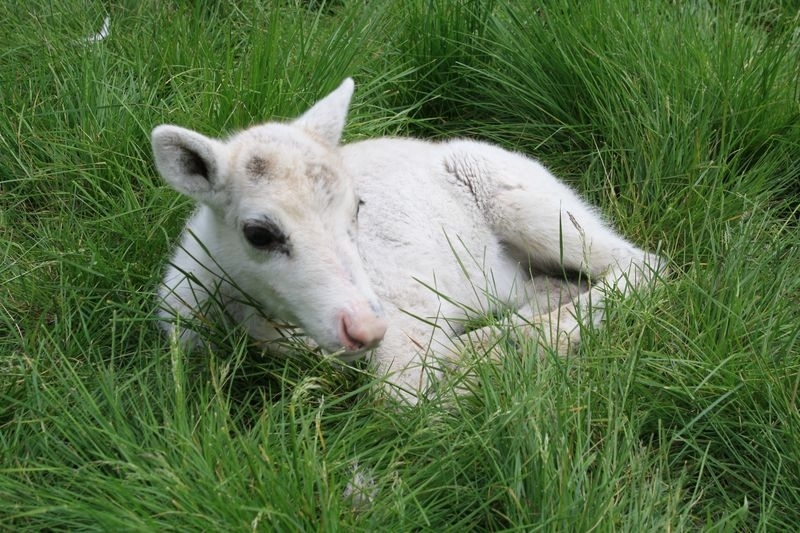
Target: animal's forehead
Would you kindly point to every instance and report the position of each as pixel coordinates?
(279, 153)
(274, 168)
(298, 197)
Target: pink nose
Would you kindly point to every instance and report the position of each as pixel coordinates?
(361, 331)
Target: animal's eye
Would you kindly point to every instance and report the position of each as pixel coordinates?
(265, 235)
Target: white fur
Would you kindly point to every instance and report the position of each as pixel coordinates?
(445, 230)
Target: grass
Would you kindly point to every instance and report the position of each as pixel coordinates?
(681, 121)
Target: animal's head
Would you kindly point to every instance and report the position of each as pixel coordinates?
(285, 213)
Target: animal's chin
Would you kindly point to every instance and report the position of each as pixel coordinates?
(351, 357)
(341, 353)
(333, 345)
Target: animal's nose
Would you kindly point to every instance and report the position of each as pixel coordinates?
(361, 330)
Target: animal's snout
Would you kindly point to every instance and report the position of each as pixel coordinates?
(361, 329)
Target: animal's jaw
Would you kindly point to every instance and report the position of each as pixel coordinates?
(349, 358)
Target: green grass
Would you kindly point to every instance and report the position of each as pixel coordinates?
(680, 120)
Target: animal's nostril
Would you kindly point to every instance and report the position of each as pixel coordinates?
(360, 331)
(348, 338)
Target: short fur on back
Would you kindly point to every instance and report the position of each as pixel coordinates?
(385, 246)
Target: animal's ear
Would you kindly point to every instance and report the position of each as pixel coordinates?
(188, 161)
(326, 119)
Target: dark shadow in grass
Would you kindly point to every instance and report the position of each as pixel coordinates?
(255, 377)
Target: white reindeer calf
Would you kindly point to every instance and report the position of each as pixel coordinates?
(386, 245)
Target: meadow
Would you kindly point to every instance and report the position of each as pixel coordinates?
(679, 120)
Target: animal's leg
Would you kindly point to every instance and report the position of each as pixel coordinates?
(186, 292)
(542, 295)
(548, 227)
(558, 230)
(196, 294)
